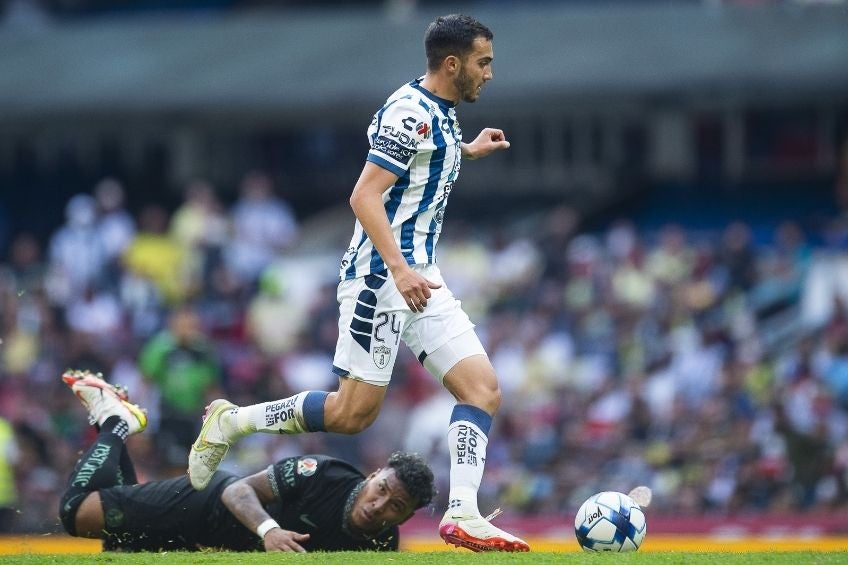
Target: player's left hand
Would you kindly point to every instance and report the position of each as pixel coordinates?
(279, 539)
(489, 140)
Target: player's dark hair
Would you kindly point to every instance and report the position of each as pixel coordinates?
(452, 35)
(415, 474)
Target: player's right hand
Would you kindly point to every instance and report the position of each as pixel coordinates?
(279, 539)
(414, 288)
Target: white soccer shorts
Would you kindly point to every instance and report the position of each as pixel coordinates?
(374, 319)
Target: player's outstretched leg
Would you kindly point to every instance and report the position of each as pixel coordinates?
(106, 462)
(224, 423)
(104, 400)
(211, 444)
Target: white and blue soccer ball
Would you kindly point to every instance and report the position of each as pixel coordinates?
(610, 521)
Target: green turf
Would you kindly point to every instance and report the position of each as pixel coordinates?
(794, 558)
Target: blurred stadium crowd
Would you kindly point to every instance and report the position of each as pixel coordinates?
(710, 365)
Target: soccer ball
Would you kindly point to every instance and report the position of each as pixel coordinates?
(610, 521)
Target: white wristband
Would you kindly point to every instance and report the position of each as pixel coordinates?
(265, 527)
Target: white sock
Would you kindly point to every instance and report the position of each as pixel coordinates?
(278, 417)
(467, 447)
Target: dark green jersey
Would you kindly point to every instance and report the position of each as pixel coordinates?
(313, 492)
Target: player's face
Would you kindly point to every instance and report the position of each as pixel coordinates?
(475, 70)
(382, 503)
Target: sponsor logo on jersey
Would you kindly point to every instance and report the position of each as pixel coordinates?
(307, 466)
(423, 129)
(401, 137)
(288, 472)
(445, 193)
(394, 150)
(95, 461)
(382, 355)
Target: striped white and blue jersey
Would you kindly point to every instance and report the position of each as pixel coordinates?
(416, 136)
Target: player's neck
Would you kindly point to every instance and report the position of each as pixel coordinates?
(441, 86)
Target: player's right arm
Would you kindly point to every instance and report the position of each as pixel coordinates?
(367, 204)
(245, 499)
(395, 135)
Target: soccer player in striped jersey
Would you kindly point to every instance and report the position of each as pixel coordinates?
(391, 289)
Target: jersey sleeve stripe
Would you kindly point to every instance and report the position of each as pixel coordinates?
(385, 163)
(272, 479)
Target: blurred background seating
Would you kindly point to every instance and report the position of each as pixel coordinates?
(658, 267)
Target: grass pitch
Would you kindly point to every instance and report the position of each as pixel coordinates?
(672, 549)
(434, 558)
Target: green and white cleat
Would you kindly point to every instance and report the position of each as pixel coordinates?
(211, 445)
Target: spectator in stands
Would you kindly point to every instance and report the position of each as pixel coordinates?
(115, 225)
(263, 225)
(200, 226)
(738, 256)
(275, 317)
(808, 453)
(77, 252)
(671, 261)
(95, 313)
(155, 256)
(564, 343)
(182, 363)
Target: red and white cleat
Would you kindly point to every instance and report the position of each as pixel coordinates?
(477, 534)
(104, 400)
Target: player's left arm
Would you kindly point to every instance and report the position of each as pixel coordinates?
(488, 141)
(245, 499)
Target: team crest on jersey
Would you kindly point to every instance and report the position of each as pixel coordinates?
(423, 129)
(382, 355)
(307, 466)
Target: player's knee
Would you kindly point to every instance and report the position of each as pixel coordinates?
(484, 394)
(353, 408)
(490, 398)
